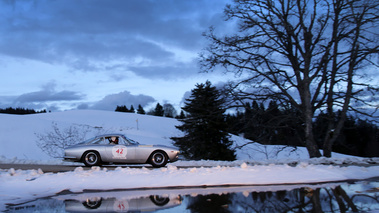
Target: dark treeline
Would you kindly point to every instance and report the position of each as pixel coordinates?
(20, 111)
(275, 125)
(167, 110)
(123, 108)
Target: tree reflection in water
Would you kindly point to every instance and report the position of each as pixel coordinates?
(210, 203)
(361, 196)
(306, 199)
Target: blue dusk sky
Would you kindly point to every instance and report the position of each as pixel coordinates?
(97, 54)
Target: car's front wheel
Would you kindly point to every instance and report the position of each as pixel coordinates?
(159, 200)
(91, 158)
(158, 159)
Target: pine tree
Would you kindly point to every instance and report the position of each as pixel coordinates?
(140, 110)
(181, 115)
(205, 126)
(158, 111)
(132, 110)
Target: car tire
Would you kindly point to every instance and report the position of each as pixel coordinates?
(92, 204)
(91, 158)
(159, 200)
(158, 159)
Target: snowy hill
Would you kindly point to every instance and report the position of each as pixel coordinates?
(257, 164)
(18, 141)
(18, 132)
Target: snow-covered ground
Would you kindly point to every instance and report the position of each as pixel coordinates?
(256, 164)
(21, 186)
(18, 141)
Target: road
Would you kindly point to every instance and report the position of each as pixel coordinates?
(67, 168)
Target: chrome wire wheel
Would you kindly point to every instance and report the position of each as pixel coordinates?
(158, 159)
(91, 159)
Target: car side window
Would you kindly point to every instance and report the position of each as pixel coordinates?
(113, 140)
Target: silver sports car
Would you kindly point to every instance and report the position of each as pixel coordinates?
(119, 149)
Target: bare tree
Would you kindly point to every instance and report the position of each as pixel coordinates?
(169, 110)
(309, 54)
(55, 141)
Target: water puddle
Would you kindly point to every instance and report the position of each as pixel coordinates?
(360, 196)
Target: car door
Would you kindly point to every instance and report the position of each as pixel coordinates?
(120, 153)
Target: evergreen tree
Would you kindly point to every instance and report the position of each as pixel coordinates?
(182, 115)
(158, 111)
(205, 126)
(140, 110)
(254, 128)
(122, 108)
(132, 110)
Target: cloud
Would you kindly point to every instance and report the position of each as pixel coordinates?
(91, 36)
(47, 94)
(110, 102)
(46, 98)
(173, 70)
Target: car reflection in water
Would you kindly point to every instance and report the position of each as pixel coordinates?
(100, 204)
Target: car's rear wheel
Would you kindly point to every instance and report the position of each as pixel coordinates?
(158, 159)
(91, 158)
(93, 203)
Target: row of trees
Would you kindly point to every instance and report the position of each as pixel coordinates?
(167, 110)
(123, 108)
(275, 125)
(20, 111)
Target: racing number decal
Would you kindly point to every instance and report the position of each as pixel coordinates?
(121, 206)
(119, 152)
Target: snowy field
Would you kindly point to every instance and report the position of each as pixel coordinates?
(256, 164)
(18, 141)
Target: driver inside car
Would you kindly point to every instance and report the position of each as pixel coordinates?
(113, 140)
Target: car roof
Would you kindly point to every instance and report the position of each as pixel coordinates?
(109, 135)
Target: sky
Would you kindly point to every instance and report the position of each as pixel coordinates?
(96, 54)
